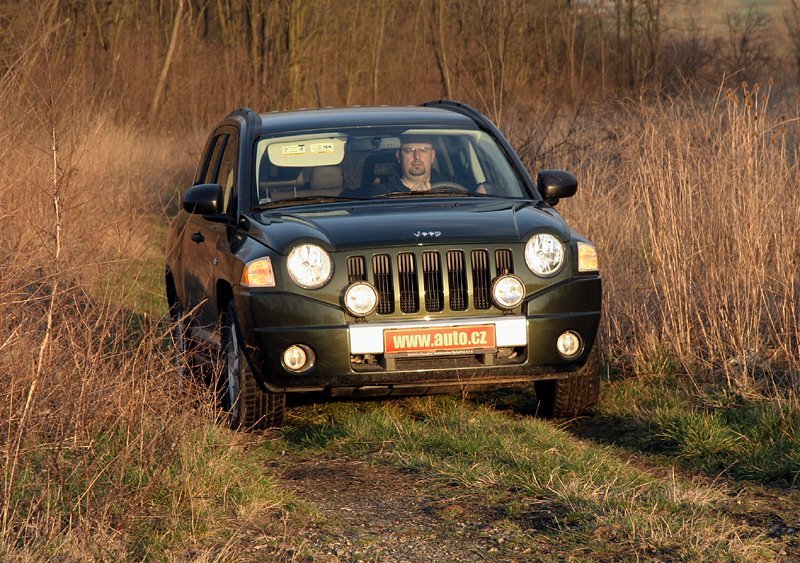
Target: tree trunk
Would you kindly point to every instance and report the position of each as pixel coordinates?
(440, 49)
(162, 79)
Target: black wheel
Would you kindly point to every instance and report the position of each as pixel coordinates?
(248, 406)
(574, 396)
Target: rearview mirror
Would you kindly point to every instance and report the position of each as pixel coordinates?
(203, 199)
(556, 184)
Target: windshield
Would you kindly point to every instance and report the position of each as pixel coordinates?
(382, 162)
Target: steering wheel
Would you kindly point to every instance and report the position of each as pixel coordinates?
(448, 184)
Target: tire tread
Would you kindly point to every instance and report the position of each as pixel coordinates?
(573, 396)
(258, 409)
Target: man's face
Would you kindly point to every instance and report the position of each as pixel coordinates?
(416, 160)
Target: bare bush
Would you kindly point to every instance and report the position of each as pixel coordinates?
(749, 44)
(696, 211)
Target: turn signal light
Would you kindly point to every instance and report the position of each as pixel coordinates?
(258, 273)
(587, 258)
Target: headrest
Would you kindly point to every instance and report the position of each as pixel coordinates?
(326, 177)
(282, 176)
(385, 168)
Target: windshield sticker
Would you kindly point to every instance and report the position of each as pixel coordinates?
(293, 149)
(322, 147)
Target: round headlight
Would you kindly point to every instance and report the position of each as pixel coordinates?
(508, 291)
(544, 254)
(298, 358)
(360, 299)
(309, 266)
(569, 344)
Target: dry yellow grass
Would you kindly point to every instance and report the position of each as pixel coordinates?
(105, 454)
(695, 208)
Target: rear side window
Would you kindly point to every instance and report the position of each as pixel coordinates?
(212, 164)
(226, 175)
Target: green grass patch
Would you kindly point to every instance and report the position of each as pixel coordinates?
(707, 428)
(136, 281)
(211, 488)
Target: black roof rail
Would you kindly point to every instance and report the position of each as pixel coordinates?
(463, 109)
(250, 116)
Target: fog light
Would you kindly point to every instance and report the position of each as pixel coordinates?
(360, 299)
(508, 291)
(569, 344)
(298, 358)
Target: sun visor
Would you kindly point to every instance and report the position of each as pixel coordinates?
(311, 152)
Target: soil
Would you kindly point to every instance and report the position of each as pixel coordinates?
(374, 513)
(370, 512)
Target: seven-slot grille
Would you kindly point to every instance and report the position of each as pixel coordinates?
(399, 278)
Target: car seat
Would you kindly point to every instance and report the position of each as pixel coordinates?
(325, 181)
(378, 168)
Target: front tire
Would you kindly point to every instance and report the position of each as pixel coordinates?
(248, 406)
(574, 396)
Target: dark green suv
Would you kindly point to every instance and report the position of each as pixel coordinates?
(375, 252)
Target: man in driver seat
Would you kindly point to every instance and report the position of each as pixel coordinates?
(415, 156)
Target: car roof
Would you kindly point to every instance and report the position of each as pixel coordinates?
(362, 116)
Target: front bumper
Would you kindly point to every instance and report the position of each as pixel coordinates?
(350, 360)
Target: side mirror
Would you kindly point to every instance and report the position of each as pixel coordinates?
(203, 199)
(556, 184)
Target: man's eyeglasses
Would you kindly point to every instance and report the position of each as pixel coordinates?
(416, 151)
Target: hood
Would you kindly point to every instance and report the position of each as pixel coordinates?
(385, 223)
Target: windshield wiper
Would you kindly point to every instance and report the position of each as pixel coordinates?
(434, 192)
(457, 191)
(396, 194)
(302, 200)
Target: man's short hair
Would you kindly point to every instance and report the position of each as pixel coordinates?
(415, 138)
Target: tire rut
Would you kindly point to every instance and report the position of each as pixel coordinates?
(375, 513)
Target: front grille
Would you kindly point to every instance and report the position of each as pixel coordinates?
(457, 276)
(356, 269)
(481, 278)
(432, 281)
(409, 290)
(504, 262)
(382, 278)
(432, 274)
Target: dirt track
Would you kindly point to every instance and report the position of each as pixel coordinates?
(370, 512)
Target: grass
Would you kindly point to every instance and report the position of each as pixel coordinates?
(106, 455)
(713, 429)
(136, 467)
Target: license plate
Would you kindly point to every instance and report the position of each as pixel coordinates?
(439, 340)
